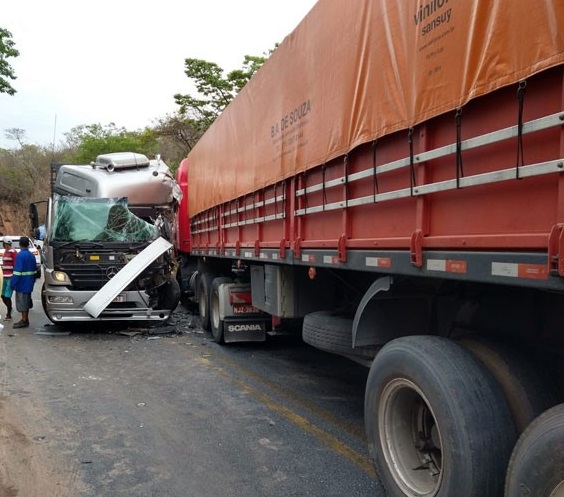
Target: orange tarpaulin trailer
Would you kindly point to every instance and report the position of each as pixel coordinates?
(394, 175)
(352, 72)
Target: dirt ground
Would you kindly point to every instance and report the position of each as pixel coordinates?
(27, 467)
(30, 466)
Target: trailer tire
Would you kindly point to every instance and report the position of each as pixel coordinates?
(332, 332)
(216, 323)
(433, 417)
(204, 295)
(528, 392)
(536, 467)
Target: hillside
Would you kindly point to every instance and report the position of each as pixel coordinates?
(14, 220)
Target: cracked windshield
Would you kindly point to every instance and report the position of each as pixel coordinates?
(88, 219)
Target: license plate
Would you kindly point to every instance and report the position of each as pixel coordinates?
(119, 298)
(245, 309)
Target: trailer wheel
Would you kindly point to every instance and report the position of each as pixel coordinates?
(216, 322)
(332, 332)
(204, 294)
(536, 468)
(437, 423)
(527, 392)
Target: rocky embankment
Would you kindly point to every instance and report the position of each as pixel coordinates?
(14, 220)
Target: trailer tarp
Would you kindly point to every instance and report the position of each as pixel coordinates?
(354, 71)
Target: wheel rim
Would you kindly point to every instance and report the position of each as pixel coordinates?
(558, 491)
(202, 303)
(215, 312)
(410, 438)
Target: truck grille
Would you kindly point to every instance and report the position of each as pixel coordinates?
(90, 276)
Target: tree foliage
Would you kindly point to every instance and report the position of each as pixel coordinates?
(7, 49)
(25, 168)
(215, 90)
(177, 135)
(23, 172)
(179, 132)
(86, 142)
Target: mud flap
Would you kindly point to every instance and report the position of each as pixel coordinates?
(244, 331)
(96, 305)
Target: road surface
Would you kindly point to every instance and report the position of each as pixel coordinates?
(107, 412)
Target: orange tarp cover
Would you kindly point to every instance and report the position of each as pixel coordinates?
(353, 71)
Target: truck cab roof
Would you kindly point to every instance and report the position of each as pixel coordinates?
(124, 174)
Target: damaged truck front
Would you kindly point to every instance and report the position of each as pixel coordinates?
(107, 254)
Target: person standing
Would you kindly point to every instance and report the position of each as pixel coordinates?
(22, 282)
(1, 284)
(8, 261)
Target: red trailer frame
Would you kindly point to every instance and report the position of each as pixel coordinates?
(475, 194)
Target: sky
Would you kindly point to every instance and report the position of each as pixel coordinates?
(121, 61)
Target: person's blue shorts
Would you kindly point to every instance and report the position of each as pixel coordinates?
(6, 288)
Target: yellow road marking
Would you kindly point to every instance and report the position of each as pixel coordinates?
(332, 442)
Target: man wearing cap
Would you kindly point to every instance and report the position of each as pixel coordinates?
(23, 279)
(8, 261)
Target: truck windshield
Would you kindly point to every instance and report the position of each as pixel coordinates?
(88, 219)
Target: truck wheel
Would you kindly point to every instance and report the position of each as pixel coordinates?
(216, 322)
(332, 332)
(181, 284)
(44, 303)
(536, 468)
(169, 295)
(437, 423)
(528, 393)
(204, 294)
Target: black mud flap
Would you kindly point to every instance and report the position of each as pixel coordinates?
(244, 331)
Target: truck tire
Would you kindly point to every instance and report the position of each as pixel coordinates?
(527, 391)
(204, 294)
(169, 295)
(216, 323)
(332, 332)
(44, 303)
(536, 468)
(437, 423)
(181, 284)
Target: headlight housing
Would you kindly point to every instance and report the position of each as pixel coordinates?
(60, 277)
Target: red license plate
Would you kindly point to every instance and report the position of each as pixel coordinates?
(244, 309)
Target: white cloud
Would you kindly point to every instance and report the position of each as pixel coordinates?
(122, 61)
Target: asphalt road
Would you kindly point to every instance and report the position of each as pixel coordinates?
(136, 412)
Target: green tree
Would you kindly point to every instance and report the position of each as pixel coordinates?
(86, 142)
(177, 136)
(215, 90)
(23, 170)
(179, 132)
(7, 49)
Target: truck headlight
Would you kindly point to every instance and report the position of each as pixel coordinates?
(60, 277)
